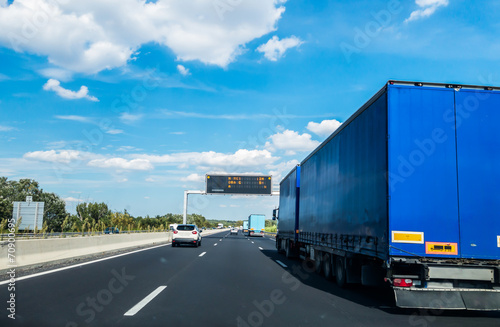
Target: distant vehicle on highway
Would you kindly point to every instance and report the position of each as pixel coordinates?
(111, 230)
(256, 225)
(220, 225)
(234, 230)
(172, 227)
(186, 234)
(245, 227)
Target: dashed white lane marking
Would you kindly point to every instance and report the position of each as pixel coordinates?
(260, 248)
(201, 255)
(215, 244)
(136, 308)
(281, 264)
(253, 242)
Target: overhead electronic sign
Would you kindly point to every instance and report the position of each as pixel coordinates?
(238, 184)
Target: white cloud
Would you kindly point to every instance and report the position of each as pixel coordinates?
(282, 169)
(61, 156)
(127, 118)
(4, 128)
(80, 119)
(194, 178)
(93, 35)
(291, 142)
(57, 73)
(275, 48)
(114, 131)
(121, 163)
(325, 128)
(183, 70)
(427, 8)
(239, 159)
(71, 199)
(127, 148)
(282, 114)
(55, 85)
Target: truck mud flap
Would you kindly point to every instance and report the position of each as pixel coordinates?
(460, 299)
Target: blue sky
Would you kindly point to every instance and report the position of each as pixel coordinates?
(132, 102)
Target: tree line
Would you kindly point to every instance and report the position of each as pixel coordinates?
(90, 216)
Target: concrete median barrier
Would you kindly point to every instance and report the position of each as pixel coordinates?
(29, 252)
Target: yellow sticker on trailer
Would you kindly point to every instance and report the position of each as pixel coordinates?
(441, 248)
(407, 237)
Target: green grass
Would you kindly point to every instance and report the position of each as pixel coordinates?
(271, 229)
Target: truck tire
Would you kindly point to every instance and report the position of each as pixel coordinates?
(327, 266)
(340, 271)
(317, 261)
(288, 250)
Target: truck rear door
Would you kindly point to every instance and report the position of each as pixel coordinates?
(422, 172)
(477, 115)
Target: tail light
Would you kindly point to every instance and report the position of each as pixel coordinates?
(175, 232)
(400, 282)
(195, 232)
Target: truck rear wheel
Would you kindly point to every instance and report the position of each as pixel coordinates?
(327, 266)
(317, 262)
(288, 249)
(340, 272)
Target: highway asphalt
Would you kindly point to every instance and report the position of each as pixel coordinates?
(231, 280)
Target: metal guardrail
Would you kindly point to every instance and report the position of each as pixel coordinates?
(70, 234)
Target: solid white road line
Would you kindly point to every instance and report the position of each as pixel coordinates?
(80, 264)
(281, 264)
(144, 301)
(201, 255)
(260, 248)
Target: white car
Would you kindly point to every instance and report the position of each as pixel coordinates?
(234, 230)
(186, 234)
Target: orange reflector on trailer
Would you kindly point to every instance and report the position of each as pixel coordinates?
(441, 248)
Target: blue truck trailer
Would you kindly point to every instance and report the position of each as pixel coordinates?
(405, 192)
(245, 227)
(256, 225)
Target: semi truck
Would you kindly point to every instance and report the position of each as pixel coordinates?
(245, 227)
(405, 193)
(256, 225)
